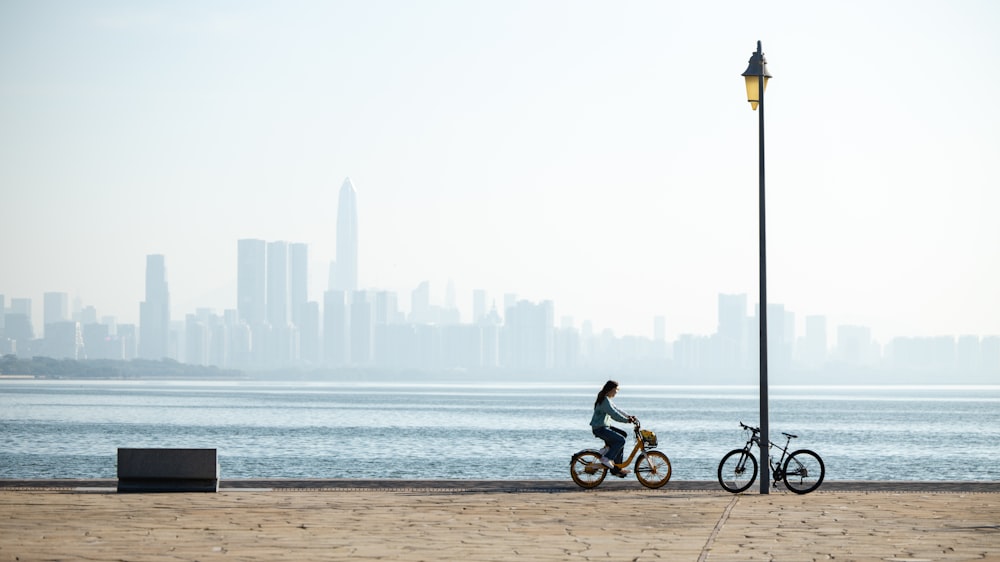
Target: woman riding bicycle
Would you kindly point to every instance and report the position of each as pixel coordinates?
(614, 438)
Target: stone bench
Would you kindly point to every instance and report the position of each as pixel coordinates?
(168, 470)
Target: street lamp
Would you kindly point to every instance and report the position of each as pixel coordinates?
(756, 76)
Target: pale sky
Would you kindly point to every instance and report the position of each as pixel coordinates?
(601, 155)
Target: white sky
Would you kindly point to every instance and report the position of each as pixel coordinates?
(598, 154)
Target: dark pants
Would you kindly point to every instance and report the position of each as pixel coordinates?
(614, 438)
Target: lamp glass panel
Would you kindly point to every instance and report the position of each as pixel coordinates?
(752, 90)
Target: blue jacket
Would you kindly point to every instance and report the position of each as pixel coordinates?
(605, 412)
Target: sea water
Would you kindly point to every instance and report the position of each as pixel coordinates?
(73, 428)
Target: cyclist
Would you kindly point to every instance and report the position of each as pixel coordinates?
(614, 438)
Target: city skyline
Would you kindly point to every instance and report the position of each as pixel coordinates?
(255, 297)
(365, 330)
(275, 327)
(600, 156)
(272, 280)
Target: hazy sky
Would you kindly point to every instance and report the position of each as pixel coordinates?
(598, 154)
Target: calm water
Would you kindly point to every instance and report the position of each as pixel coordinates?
(63, 429)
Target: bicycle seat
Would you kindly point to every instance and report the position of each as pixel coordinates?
(789, 435)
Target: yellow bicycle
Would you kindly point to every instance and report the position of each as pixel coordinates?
(652, 468)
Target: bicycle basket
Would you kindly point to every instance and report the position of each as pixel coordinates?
(648, 437)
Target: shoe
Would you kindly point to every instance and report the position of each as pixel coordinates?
(608, 463)
(621, 473)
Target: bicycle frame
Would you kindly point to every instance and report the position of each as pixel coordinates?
(777, 473)
(776, 469)
(640, 445)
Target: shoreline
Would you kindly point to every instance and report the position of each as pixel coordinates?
(513, 486)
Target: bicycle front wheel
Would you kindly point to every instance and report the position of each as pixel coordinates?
(737, 470)
(804, 471)
(586, 469)
(653, 469)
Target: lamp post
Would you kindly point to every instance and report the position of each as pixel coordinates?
(756, 76)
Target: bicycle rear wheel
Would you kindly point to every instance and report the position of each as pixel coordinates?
(652, 469)
(737, 470)
(586, 469)
(804, 471)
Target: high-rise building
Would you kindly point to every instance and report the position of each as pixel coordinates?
(18, 326)
(55, 308)
(277, 284)
(478, 305)
(779, 348)
(659, 328)
(154, 312)
(127, 337)
(308, 324)
(336, 324)
(530, 335)
(88, 315)
(298, 280)
(251, 281)
(855, 346)
(450, 314)
(345, 268)
(64, 340)
(97, 342)
(420, 304)
(387, 308)
(20, 306)
(732, 317)
(732, 335)
(362, 326)
(814, 345)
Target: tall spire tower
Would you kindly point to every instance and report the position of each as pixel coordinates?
(154, 312)
(345, 269)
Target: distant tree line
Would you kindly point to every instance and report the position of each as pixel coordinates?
(47, 367)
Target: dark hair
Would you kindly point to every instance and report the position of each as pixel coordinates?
(608, 387)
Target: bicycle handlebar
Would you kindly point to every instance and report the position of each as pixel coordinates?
(756, 430)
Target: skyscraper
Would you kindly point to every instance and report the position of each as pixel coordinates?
(345, 268)
(17, 323)
(336, 326)
(277, 284)
(55, 308)
(298, 280)
(530, 331)
(251, 276)
(154, 312)
(732, 341)
(478, 305)
(814, 345)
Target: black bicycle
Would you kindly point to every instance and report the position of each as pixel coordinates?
(802, 471)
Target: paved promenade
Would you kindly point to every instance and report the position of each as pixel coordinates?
(485, 520)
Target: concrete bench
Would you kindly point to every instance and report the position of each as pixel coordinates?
(168, 470)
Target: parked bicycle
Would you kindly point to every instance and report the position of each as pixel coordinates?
(802, 471)
(652, 468)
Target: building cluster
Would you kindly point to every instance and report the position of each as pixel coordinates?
(366, 329)
(275, 326)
